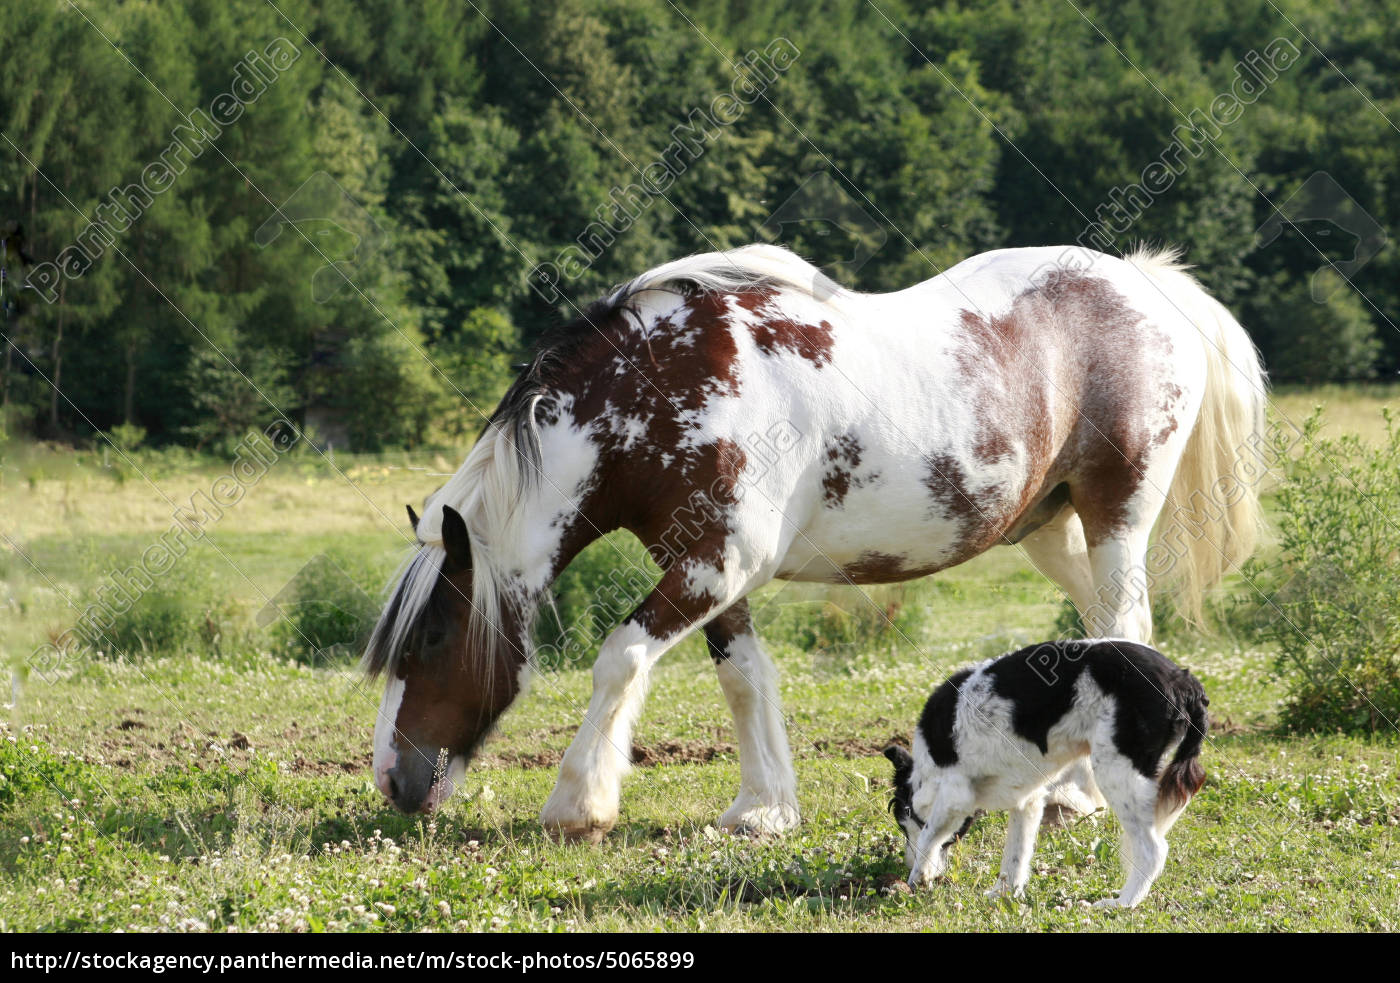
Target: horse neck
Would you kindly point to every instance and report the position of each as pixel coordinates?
(531, 519)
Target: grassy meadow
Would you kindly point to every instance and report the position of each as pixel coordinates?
(210, 777)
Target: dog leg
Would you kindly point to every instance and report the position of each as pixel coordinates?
(1020, 845)
(1133, 798)
(950, 803)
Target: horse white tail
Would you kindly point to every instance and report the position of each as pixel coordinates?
(1212, 517)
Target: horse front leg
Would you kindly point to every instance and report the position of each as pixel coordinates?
(767, 799)
(584, 803)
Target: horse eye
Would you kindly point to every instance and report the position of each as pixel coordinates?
(433, 638)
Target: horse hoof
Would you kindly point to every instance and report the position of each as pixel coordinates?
(760, 821)
(592, 834)
(747, 831)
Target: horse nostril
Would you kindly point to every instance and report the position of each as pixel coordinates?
(393, 788)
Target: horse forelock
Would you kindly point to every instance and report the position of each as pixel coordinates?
(484, 491)
(413, 588)
(416, 594)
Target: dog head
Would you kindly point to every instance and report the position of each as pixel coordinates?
(902, 804)
(902, 801)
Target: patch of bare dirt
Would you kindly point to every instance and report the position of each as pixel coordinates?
(324, 768)
(850, 747)
(687, 752)
(680, 753)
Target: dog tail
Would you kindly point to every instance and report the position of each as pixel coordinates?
(1183, 776)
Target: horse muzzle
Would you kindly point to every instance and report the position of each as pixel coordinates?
(414, 783)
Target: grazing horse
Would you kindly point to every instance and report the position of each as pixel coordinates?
(748, 419)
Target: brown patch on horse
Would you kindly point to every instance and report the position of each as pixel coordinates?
(1003, 360)
(731, 623)
(1112, 440)
(774, 331)
(873, 567)
(670, 486)
(672, 367)
(1099, 446)
(947, 483)
(843, 457)
(688, 530)
(1171, 393)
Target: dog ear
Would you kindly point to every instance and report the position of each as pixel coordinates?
(899, 757)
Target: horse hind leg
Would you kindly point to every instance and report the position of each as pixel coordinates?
(1058, 550)
(1120, 493)
(1119, 507)
(767, 799)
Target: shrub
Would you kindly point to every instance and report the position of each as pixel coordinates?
(326, 611)
(1332, 583)
(1331, 341)
(125, 436)
(600, 587)
(179, 613)
(843, 622)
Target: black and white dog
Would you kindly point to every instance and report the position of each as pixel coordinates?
(1000, 734)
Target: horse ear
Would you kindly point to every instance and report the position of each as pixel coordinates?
(899, 757)
(412, 517)
(455, 539)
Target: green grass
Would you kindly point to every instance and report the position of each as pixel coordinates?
(140, 807)
(230, 788)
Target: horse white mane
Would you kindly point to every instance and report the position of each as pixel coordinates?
(734, 269)
(484, 491)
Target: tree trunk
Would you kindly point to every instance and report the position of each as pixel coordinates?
(57, 379)
(128, 398)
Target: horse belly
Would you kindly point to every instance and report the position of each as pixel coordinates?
(883, 524)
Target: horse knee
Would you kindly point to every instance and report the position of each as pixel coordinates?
(624, 659)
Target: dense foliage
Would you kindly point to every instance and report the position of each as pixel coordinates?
(1326, 597)
(436, 152)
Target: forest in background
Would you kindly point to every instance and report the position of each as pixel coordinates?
(334, 208)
